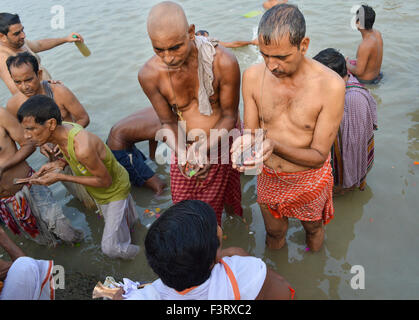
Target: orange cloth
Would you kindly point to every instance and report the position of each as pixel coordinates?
(305, 195)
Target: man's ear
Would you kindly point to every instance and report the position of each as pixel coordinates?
(40, 74)
(3, 38)
(304, 45)
(191, 32)
(52, 124)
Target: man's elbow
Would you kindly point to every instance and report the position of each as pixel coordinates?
(85, 121)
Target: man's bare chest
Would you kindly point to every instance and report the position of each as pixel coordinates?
(299, 108)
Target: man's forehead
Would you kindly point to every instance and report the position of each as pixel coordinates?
(15, 27)
(21, 70)
(165, 40)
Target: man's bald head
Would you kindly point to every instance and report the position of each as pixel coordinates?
(166, 19)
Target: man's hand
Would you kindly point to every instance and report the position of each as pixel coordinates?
(50, 151)
(244, 146)
(79, 38)
(47, 178)
(48, 167)
(55, 82)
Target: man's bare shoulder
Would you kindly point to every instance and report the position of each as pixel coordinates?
(86, 143)
(254, 72)
(326, 77)
(224, 57)
(6, 119)
(60, 91)
(151, 70)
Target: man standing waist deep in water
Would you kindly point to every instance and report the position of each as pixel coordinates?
(299, 102)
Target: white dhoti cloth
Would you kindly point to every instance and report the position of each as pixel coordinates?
(249, 274)
(29, 279)
(120, 216)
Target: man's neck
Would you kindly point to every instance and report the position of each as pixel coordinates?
(60, 136)
(366, 33)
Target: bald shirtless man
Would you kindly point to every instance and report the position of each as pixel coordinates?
(23, 208)
(369, 56)
(299, 103)
(170, 79)
(12, 41)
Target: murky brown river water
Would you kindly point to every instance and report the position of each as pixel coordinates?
(377, 229)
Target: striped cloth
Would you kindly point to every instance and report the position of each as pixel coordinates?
(222, 186)
(305, 195)
(353, 149)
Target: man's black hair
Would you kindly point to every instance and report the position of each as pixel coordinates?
(6, 20)
(281, 20)
(334, 60)
(201, 33)
(41, 108)
(366, 16)
(181, 246)
(23, 58)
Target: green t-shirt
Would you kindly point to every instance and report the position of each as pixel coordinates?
(120, 187)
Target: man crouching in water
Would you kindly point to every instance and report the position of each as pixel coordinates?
(93, 165)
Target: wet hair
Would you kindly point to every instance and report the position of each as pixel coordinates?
(41, 108)
(368, 19)
(23, 58)
(6, 20)
(201, 33)
(280, 20)
(334, 60)
(181, 246)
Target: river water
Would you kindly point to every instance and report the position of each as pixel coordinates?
(376, 229)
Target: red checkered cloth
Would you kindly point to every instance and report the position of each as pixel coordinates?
(222, 186)
(305, 195)
(21, 216)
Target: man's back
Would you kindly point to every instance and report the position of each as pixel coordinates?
(372, 48)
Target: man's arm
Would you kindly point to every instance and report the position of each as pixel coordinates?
(15, 131)
(73, 105)
(327, 125)
(13, 105)
(361, 60)
(87, 149)
(235, 44)
(229, 92)
(46, 44)
(275, 287)
(12, 250)
(5, 75)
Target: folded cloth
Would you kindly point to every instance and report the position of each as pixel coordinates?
(29, 279)
(305, 195)
(206, 52)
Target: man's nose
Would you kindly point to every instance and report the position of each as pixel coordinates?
(26, 135)
(168, 57)
(271, 64)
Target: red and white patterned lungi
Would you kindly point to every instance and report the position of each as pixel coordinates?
(222, 186)
(305, 195)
